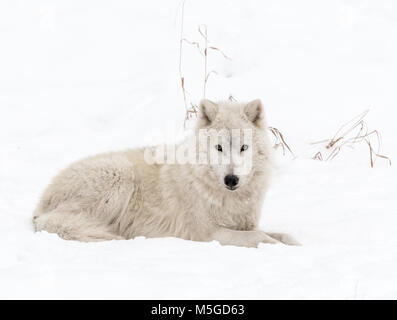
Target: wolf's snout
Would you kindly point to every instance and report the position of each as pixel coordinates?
(231, 181)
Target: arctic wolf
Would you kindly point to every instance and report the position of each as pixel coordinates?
(121, 196)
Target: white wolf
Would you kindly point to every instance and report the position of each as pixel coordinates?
(120, 196)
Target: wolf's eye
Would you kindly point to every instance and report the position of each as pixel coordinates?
(244, 147)
(218, 147)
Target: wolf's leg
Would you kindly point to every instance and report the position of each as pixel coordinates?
(71, 225)
(284, 238)
(242, 238)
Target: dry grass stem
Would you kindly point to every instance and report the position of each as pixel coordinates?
(318, 156)
(180, 58)
(204, 34)
(350, 134)
(280, 141)
(191, 108)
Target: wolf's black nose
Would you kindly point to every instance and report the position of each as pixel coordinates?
(231, 181)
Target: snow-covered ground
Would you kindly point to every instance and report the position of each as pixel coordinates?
(80, 77)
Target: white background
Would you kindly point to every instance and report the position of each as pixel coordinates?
(82, 77)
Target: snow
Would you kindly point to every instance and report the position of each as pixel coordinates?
(83, 77)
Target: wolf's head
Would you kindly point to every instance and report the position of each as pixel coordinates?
(237, 143)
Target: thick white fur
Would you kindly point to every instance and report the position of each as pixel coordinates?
(119, 196)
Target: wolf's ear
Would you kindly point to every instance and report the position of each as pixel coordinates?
(208, 111)
(254, 112)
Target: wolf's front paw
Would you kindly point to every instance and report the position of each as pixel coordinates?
(258, 237)
(284, 238)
